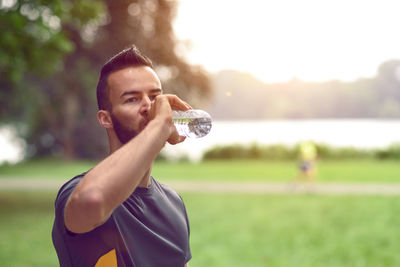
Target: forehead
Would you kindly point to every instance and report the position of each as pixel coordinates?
(138, 78)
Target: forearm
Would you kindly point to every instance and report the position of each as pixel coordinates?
(111, 182)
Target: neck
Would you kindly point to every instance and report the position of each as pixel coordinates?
(114, 143)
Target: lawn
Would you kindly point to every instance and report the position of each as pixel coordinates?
(46, 168)
(284, 230)
(223, 170)
(237, 230)
(279, 171)
(234, 229)
(25, 229)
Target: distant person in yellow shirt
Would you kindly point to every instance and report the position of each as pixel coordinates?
(307, 165)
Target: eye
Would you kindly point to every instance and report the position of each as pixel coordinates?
(132, 100)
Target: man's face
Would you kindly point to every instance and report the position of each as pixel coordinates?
(132, 91)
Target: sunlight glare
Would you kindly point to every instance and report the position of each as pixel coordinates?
(281, 40)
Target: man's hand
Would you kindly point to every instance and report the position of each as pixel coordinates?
(162, 109)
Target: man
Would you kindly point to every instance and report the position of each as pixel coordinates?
(308, 158)
(116, 214)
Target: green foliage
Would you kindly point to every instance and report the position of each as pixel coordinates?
(282, 152)
(33, 38)
(35, 41)
(338, 153)
(393, 152)
(254, 151)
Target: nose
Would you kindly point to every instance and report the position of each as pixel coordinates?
(146, 104)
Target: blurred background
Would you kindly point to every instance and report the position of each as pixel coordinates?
(272, 74)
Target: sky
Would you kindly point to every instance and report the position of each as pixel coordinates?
(278, 40)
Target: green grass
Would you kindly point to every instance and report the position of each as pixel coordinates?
(234, 230)
(254, 230)
(26, 221)
(46, 168)
(279, 171)
(227, 170)
(238, 230)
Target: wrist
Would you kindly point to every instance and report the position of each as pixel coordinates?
(163, 126)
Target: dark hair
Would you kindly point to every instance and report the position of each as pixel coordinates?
(129, 57)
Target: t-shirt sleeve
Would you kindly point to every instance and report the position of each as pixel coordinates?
(61, 201)
(188, 255)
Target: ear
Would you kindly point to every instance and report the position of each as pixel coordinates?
(104, 118)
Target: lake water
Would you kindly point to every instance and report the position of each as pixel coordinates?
(359, 133)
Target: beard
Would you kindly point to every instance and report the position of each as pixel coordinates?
(123, 133)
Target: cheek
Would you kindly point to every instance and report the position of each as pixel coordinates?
(127, 116)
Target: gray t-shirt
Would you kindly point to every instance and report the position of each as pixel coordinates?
(149, 229)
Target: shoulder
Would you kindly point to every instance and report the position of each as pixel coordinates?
(167, 191)
(163, 187)
(71, 183)
(67, 189)
(60, 202)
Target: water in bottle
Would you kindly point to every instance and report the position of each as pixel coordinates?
(192, 123)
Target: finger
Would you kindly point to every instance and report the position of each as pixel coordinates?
(175, 139)
(161, 105)
(177, 103)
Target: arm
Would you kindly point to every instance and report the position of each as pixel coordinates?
(111, 182)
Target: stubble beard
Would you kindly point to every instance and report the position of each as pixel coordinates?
(124, 134)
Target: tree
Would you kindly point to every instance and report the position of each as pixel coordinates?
(33, 45)
(59, 73)
(387, 86)
(148, 24)
(36, 43)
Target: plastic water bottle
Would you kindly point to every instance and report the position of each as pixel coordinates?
(192, 123)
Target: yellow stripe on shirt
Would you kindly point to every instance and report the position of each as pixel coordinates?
(108, 260)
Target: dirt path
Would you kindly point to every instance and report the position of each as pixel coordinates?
(286, 188)
(230, 187)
